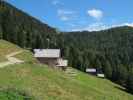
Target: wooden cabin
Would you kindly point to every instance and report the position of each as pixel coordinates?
(51, 57)
(92, 71)
(96, 72)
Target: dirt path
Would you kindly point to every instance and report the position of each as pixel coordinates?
(11, 59)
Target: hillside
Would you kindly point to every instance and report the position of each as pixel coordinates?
(93, 49)
(21, 28)
(110, 50)
(8, 48)
(45, 83)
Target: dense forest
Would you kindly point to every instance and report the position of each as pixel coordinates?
(108, 50)
(22, 29)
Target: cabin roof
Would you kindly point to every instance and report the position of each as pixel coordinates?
(101, 75)
(47, 53)
(91, 70)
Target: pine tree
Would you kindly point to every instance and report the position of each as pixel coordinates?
(107, 69)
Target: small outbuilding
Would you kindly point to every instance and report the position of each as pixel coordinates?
(96, 72)
(100, 75)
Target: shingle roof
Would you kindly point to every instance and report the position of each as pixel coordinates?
(47, 53)
(90, 70)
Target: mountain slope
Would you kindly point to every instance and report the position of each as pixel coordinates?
(110, 51)
(45, 83)
(23, 29)
(7, 48)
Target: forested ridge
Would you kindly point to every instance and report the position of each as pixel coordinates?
(109, 50)
(22, 29)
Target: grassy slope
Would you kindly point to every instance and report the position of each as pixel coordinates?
(6, 48)
(45, 83)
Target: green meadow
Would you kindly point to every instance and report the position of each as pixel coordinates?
(44, 83)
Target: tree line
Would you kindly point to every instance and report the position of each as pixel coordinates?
(109, 50)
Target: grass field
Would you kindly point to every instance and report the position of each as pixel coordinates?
(44, 83)
(7, 48)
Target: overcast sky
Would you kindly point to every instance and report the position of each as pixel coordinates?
(73, 15)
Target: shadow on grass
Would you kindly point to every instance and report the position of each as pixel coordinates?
(123, 89)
